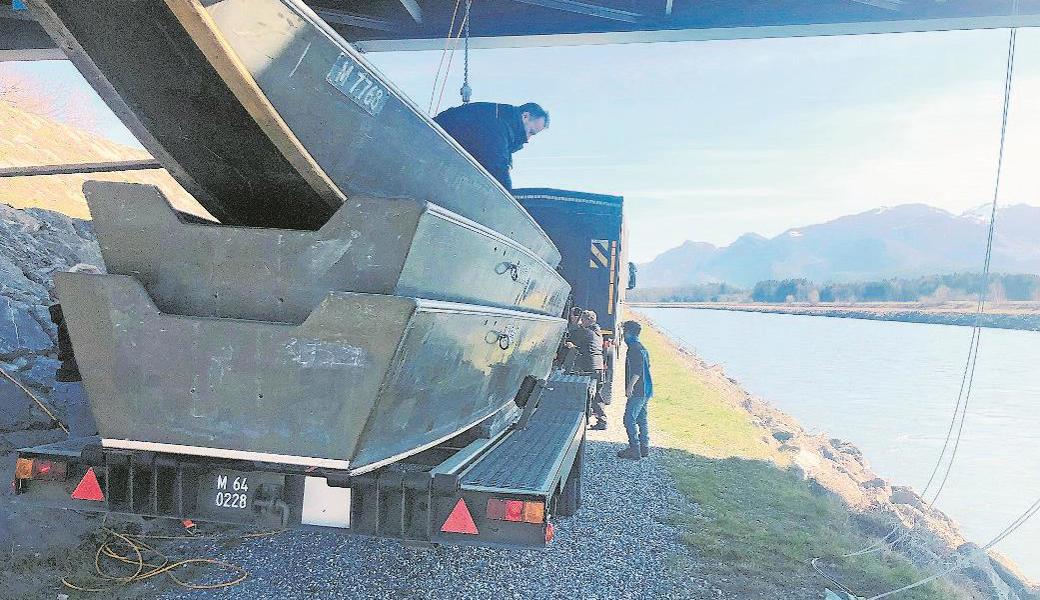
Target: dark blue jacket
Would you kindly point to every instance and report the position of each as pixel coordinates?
(490, 132)
(637, 362)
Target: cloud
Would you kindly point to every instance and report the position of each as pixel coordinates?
(941, 150)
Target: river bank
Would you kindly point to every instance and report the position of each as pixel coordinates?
(773, 496)
(1006, 315)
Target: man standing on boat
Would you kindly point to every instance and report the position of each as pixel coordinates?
(639, 388)
(491, 132)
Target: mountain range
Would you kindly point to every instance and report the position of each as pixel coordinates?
(902, 241)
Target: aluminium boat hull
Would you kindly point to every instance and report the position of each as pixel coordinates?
(245, 103)
(390, 247)
(364, 380)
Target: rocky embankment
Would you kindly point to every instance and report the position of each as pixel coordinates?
(34, 244)
(915, 530)
(999, 319)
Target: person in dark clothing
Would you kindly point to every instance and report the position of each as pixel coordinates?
(491, 132)
(639, 388)
(572, 321)
(566, 354)
(588, 342)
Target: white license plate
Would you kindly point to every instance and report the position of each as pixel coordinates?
(230, 490)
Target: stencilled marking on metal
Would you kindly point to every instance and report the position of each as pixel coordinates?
(354, 82)
(317, 353)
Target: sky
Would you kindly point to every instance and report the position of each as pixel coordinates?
(710, 140)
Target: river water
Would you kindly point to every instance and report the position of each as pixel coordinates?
(890, 388)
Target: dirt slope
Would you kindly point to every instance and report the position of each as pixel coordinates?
(30, 139)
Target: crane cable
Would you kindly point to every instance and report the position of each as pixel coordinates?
(967, 379)
(451, 43)
(969, 373)
(440, 65)
(451, 57)
(962, 562)
(958, 418)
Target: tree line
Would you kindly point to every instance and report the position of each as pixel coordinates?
(931, 288)
(701, 292)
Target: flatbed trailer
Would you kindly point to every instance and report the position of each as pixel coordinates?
(498, 484)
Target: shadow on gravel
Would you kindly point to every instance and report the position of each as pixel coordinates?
(621, 544)
(675, 525)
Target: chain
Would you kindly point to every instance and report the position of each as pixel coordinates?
(465, 90)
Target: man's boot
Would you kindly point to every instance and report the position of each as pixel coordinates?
(644, 450)
(599, 425)
(631, 453)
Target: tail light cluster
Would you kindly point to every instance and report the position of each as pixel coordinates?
(518, 511)
(40, 470)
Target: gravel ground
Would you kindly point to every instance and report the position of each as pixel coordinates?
(619, 545)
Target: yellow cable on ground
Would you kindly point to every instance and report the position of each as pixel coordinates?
(35, 399)
(118, 549)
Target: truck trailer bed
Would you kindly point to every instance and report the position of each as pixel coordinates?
(499, 484)
(529, 460)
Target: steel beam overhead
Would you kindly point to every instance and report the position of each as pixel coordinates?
(339, 17)
(78, 168)
(583, 8)
(413, 9)
(380, 25)
(712, 34)
(31, 54)
(21, 38)
(885, 4)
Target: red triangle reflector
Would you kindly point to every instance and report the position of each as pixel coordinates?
(88, 488)
(459, 521)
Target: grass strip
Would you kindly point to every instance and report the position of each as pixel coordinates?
(756, 518)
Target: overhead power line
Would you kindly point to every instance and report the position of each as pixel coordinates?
(955, 431)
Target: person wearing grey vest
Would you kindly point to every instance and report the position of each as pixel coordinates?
(588, 343)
